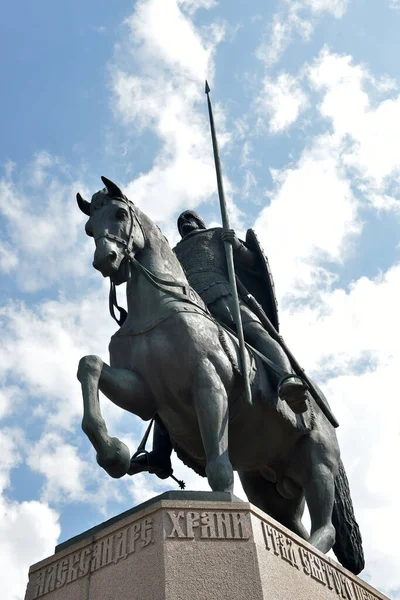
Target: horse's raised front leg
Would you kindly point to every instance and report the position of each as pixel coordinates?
(124, 388)
(211, 404)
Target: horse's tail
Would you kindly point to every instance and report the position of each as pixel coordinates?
(348, 544)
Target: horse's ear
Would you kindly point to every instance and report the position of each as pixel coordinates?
(83, 204)
(113, 190)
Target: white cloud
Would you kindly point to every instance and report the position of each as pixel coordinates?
(60, 464)
(11, 440)
(28, 530)
(161, 31)
(10, 400)
(311, 217)
(183, 172)
(343, 317)
(347, 337)
(42, 224)
(367, 124)
(191, 6)
(8, 258)
(71, 476)
(351, 339)
(338, 173)
(285, 24)
(282, 100)
(295, 17)
(170, 61)
(336, 8)
(41, 348)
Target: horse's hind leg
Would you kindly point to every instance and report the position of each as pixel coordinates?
(124, 388)
(264, 494)
(211, 404)
(320, 463)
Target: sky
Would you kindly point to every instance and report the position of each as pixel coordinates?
(307, 107)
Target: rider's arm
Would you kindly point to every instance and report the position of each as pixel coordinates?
(242, 254)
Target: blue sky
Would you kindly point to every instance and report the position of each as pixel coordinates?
(307, 105)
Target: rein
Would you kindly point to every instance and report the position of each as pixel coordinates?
(187, 294)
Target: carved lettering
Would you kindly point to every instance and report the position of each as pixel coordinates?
(339, 582)
(328, 575)
(280, 544)
(313, 566)
(276, 538)
(109, 550)
(287, 551)
(305, 561)
(84, 562)
(317, 571)
(270, 538)
(207, 529)
(39, 584)
(133, 537)
(224, 525)
(208, 525)
(192, 521)
(265, 536)
(96, 557)
(348, 588)
(121, 545)
(51, 573)
(73, 565)
(62, 570)
(177, 530)
(239, 526)
(146, 531)
(360, 594)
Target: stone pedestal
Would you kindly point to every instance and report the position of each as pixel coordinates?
(192, 545)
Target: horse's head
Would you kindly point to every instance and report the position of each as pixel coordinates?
(117, 232)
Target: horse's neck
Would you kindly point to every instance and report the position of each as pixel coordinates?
(143, 297)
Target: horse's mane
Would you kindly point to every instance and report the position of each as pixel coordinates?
(156, 239)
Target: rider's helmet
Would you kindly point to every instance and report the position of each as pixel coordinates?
(190, 214)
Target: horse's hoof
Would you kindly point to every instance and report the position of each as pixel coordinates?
(220, 474)
(116, 461)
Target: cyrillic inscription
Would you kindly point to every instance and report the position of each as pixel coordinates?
(209, 525)
(313, 566)
(109, 550)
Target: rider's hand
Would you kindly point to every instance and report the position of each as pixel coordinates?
(229, 235)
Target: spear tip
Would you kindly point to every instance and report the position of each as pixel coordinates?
(207, 89)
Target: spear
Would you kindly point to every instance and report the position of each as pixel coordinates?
(229, 253)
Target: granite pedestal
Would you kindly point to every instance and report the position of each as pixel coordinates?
(192, 546)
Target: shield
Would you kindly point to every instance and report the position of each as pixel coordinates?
(258, 281)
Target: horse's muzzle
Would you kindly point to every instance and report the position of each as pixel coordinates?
(106, 259)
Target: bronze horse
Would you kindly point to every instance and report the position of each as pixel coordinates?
(171, 358)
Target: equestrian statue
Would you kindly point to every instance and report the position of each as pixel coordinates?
(198, 354)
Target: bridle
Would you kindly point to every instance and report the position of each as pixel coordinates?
(186, 293)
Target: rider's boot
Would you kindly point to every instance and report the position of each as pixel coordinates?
(151, 462)
(158, 461)
(291, 388)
